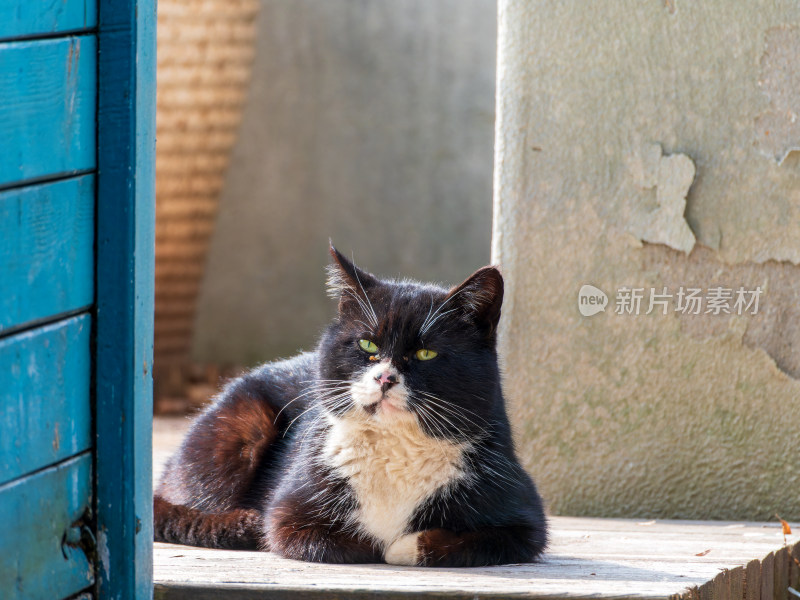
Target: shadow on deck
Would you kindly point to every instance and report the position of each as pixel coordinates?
(587, 558)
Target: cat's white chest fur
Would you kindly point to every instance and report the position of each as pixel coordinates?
(392, 467)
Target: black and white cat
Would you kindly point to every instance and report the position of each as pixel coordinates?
(389, 443)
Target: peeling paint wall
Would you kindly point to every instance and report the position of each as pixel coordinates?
(651, 144)
(778, 128)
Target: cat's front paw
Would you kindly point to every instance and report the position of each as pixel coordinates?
(403, 551)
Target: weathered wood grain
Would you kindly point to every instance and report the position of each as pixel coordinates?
(736, 583)
(125, 246)
(722, 586)
(753, 580)
(794, 573)
(45, 403)
(46, 250)
(49, 92)
(768, 576)
(36, 513)
(30, 18)
(706, 591)
(587, 558)
(781, 575)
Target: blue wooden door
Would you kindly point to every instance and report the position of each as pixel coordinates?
(77, 100)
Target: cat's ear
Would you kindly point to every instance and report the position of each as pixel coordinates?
(481, 297)
(346, 282)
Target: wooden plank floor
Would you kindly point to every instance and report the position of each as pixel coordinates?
(587, 558)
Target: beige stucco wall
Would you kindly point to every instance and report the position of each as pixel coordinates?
(648, 144)
(369, 122)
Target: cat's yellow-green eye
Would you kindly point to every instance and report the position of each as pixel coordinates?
(368, 346)
(425, 354)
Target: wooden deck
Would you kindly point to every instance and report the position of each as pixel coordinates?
(587, 558)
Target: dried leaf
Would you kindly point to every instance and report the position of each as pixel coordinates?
(785, 528)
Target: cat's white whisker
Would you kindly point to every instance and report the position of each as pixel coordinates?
(369, 314)
(453, 411)
(374, 316)
(467, 423)
(311, 427)
(433, 426)
(428, 316)
(500, 469)
(429, 322)
(367, 327)
(323, 400)
(436, 319)
(455, 406)
(309, 390)
(335, 402)
(353, 293)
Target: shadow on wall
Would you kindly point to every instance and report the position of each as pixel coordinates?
(370, 123)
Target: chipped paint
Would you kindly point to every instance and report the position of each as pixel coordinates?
(774, 329)
(102, 552)
(778, 129)
(56, 437)
(671, 176)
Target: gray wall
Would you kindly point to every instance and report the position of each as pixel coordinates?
(648, 144)
(370, 122)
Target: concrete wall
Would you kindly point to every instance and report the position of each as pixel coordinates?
(370, 122)
(649, 144)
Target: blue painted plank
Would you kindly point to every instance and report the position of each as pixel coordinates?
(45, 403)
(46, 250)
(35, 514)
(48, 108)
(125, 229)
(32, 17)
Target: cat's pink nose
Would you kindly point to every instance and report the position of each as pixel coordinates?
(386, 380)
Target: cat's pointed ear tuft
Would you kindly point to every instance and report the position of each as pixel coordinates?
(481, 297)
(344, 275)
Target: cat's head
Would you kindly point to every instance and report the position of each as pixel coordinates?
(402, 350)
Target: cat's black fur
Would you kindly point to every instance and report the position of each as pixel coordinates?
(256, 469)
